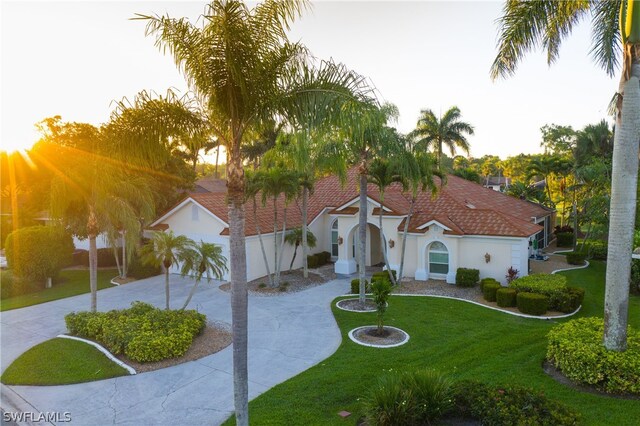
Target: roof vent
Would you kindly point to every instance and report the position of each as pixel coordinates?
(469, 205)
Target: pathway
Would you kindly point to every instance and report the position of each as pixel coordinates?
(197, 392)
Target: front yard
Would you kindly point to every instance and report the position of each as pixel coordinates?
(72, 283)
(461, 340)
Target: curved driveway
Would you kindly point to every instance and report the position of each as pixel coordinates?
(287, 335)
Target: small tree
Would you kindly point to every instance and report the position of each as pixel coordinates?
(381, 290)
(512, 274)
(200, 260)
(166, 249)
(294, 237)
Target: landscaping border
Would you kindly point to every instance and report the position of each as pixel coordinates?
(109, 355)
(354, 310)
(372, 345)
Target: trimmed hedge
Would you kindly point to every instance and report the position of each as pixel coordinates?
(564, 239)
(327, 256)
(561, 297)
(140, 270)
(570, 300)
(576, 349)
(143, 333)
(598, 250)
(575, 258)
(532, 303)
(355, 286)
(384, 275)
(489, 291)
(36, 253)
(487, 280)
(506, 297)
(317, 260)
(466, 277)
(510, 405)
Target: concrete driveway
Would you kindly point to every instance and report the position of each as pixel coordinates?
(198, 392)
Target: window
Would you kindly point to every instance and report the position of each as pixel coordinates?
(334, 238)
(438, 258)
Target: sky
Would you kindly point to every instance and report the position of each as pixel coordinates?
(74, 59)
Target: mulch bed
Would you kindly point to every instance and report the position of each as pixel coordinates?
(356, 306)
(369, 335)
(294, 279)
(215, 337)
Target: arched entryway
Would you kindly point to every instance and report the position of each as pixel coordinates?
(373, 255)
(437, 261)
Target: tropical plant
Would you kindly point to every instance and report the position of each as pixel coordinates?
(434, 132)
(381, 289)
(526, 25)
(525, 191)
(253, 185)
(294, 237)
(166, 249)
(204, 259)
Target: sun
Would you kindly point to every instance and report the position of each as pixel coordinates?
(18, 142)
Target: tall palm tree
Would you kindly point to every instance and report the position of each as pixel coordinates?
(595, 140)
(431, 132)
(253, 185)
(294, 237)
(166, 249)
(526, 25)
(544, 166)
(204, 259)
(383, 173)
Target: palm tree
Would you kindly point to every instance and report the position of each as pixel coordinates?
(543, 167)
(431, 132)
(526, 25)
(523, 191)
(418, 174)
(253, 185)
(294, 237)
(383, 173)
(200, 260)
(166, 249)
(593, 140)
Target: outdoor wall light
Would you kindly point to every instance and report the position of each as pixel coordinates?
(391, 243)
(487, 257)
(340, 241)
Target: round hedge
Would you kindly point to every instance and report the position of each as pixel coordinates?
(489, 290)
(576, 349)
(506, 297)
(532, 303)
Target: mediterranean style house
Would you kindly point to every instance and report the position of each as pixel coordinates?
(464, 226)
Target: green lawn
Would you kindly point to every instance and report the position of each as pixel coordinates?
(457, 338)
(72, 283)
(67, 361)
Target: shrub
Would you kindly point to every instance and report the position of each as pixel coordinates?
(566, 228)
(512, 274)
(598, 250)
(80, 257)
(570, 300)
(36, 253)
(381, 290)
(532, 303)
(466, 277)
(553, 286)
(564, 239)
(410, 398)
(576, 349)
(327, 256)
(384, 275)
(355, 286)
(634, 281)
(510, 405)
(140, 270)
(489, 291)
(143, 333)
(575, 258)
(506, 297)
(487, 280)
(312, 261)
(11, 286)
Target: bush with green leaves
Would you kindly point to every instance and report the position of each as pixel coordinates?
(381, 290)
(598, 249)
(140, 270)
(410, 398)
(553, 286)
(466, 277)
(143, 332)
(506, 297)
(575, 348)
(487, 280)
(570, 300)
(327, 256)
(576, 258)
(510, 405)
(634, 280)
(489, 290)
(36, 253)
(532, 303)
(384, 275)
(355, 286)
(564, 239)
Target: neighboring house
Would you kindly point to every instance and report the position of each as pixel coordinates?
(465, 226)
(497, 183)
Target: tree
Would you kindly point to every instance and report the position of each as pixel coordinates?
(526, 25)
(431, 132)
(544, 166)
(204, 259)
(524, 191)
(558, 140)
(166, 249)
(253, 185)
(294, 237)
(595, 140)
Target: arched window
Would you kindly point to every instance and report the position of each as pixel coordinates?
(438, 258)
(334, 238)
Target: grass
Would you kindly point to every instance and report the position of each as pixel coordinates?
(453, 337)
(72, 283)
(67, 361)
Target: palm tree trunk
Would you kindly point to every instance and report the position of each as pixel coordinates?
(293, 259)
(383, 243)
(305, 248)
(93, 272)
(276, 280)
(166, 287)
(264, 253)
(124, 255)
(215, 173)
(405, 232)
(115, 256)
(191, 293)
(362, 234)
(238, 275)
(284, 231)
(622, 216)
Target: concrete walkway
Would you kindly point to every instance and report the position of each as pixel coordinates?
(287, 335)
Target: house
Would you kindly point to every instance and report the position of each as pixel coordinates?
(466, 225)
(497, 183)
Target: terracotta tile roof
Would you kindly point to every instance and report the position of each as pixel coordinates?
(464, 207)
